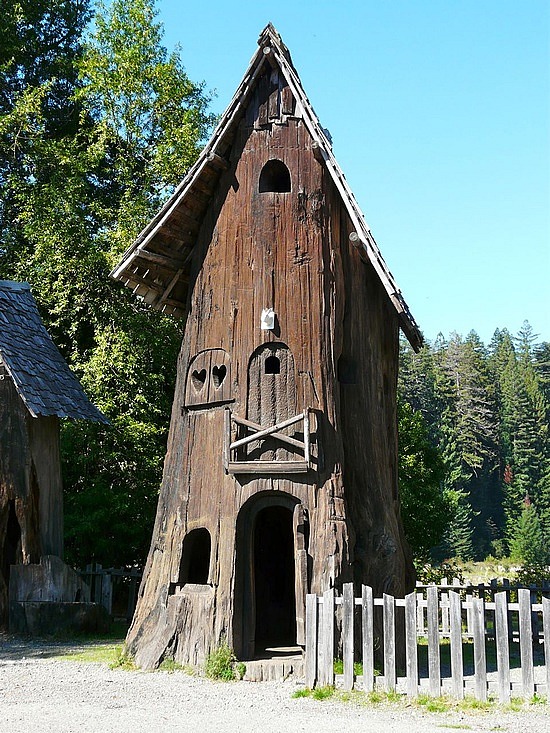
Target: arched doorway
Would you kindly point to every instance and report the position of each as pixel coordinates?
(273, 562)
(271, 577)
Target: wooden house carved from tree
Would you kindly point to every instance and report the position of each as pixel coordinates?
(36, 389)
(281, 470)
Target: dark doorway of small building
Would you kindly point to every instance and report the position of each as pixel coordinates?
(274, 579)
(11, 551)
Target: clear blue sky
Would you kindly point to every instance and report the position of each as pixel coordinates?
(439, 112)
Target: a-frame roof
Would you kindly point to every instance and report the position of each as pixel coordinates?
(156, 267)
(41, 376)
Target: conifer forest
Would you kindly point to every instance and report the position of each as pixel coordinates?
(98, 124)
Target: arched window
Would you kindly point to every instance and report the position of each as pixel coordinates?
(275, 177)
(195, 557)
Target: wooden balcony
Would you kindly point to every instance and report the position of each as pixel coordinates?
(244, 440)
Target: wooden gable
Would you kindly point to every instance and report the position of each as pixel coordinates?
(158, 266)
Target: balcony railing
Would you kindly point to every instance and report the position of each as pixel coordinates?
(237, 450)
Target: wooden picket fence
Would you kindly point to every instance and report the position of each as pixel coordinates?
(114, 588)
(438, 620)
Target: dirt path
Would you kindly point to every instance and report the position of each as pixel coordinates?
(41, 693)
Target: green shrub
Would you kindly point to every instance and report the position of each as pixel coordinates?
(220, 663)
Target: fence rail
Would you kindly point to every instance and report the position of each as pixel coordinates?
(477, 638)
(114, 588)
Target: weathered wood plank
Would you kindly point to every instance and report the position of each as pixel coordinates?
(434, 654)
(311, 640)
(546, 631)
(502, 645)
(260, 467)
(480, 663)
(455, 625)
(348, 608)
(411, 645)
(390, 677)
(526, 642)
(367, 618)
(328, 638)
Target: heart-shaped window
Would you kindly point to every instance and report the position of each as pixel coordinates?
(198, 379)
(218, 375)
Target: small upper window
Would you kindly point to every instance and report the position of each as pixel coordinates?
(275, 177)
(272, 365)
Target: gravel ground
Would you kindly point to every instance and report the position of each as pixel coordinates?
(41, 693)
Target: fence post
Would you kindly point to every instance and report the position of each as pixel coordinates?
(97, 575)
(480, 663)
(526, 642)
(411, 648)
(445, 613)
(457, 668)
(107, 592)
(534, 615)
(546, 626)
(311, 640)
(367, 622)
(390, 677)
(348, 608)
(421, 626)
(434, 657)
(326, 669)
(469, 611)
(503, 648)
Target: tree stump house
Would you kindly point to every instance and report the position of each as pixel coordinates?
(36, 389)
(281, 470)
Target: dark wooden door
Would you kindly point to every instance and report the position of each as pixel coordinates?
(271, 397)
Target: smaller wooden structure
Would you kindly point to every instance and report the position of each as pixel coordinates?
(36, 389)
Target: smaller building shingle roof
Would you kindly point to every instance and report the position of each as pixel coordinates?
(41, 376)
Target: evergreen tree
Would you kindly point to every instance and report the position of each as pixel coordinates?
(78, 198)
(426, 506)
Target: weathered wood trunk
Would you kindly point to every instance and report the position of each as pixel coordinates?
(31, 501)
(236, 548)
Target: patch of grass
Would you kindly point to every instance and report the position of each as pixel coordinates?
(375, 697)
(339, 667)
(323, 693)
(303, 692)
(99, 653)
(221, 663)
(434, 704)
(123, 660)
(455, 726)
(472, 703)
(538, 699)
(170, 665)
(515, 704)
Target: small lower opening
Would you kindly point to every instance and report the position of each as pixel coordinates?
(195, 557)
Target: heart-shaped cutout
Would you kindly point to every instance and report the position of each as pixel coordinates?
(198, 379)
(218, 375)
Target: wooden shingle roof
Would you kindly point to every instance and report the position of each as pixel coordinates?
(156, 267)
(41, 376)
